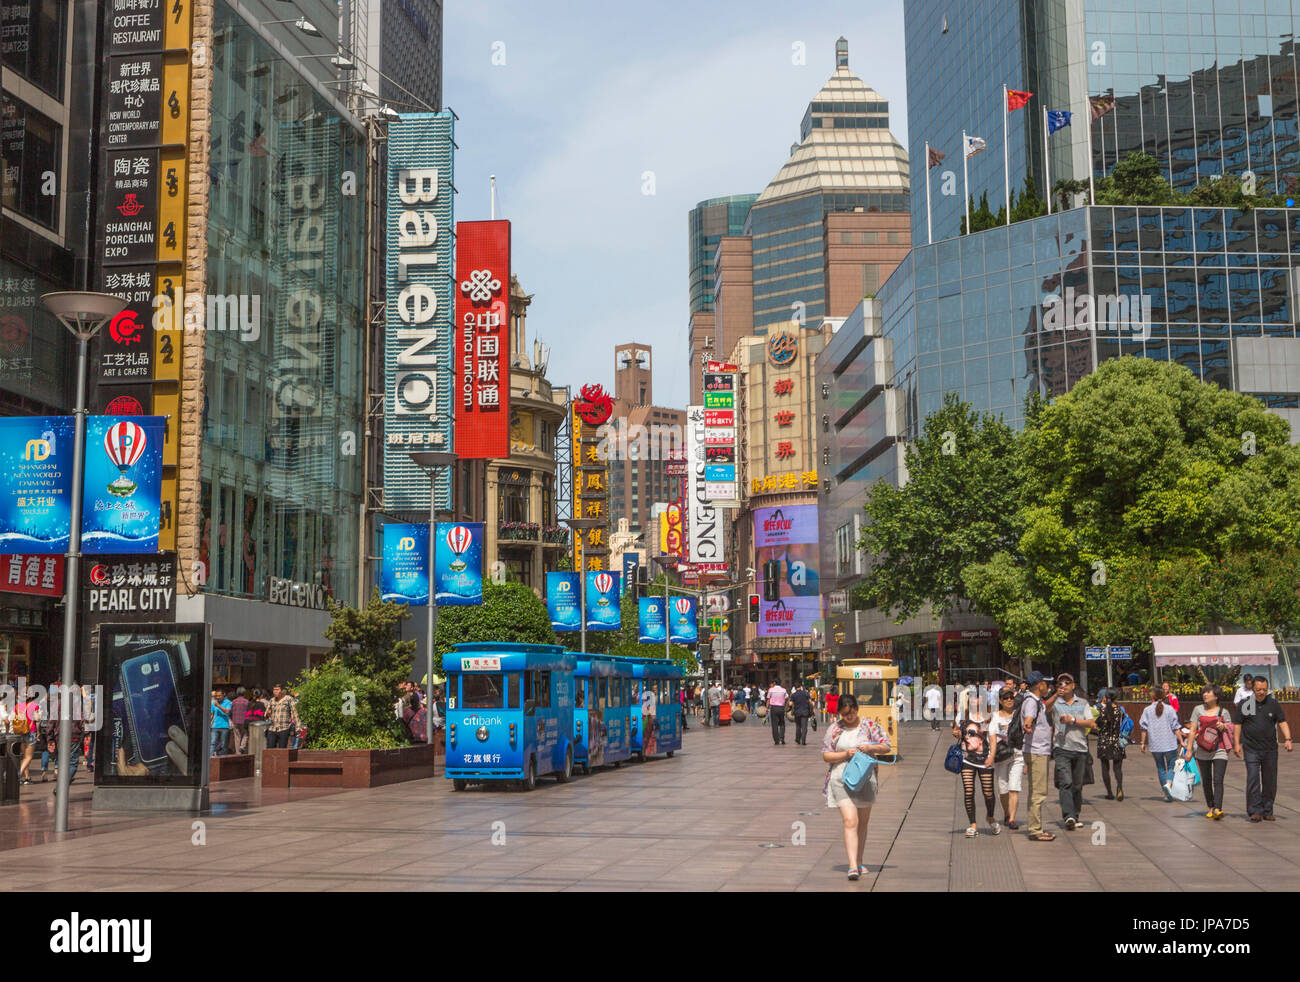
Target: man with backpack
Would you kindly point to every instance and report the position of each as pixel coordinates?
(1035, 719)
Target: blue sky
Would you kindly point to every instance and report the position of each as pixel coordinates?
(592, 95)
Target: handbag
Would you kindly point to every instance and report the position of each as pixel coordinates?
(953, 761)
(21, 726)
(1208, 737)
(860, 769)
(1181, 784)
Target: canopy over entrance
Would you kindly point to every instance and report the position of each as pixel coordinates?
(1214, 649)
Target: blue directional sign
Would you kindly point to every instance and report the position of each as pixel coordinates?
(1121, 651)
(1094, 654)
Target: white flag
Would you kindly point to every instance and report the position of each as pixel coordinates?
(974, 145)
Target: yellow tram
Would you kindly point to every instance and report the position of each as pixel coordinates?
(872, 681)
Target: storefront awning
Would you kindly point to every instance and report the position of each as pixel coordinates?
(1215, 649)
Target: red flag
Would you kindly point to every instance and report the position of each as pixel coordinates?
(1017, 99)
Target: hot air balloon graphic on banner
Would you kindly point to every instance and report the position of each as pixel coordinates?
(604, 613)
(683, 628)
(124, 443)
(603, 583)
(458, 564)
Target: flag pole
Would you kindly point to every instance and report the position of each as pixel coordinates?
(1047, 164)
(965, 179)
(1006, 152)
(929, 230)
(1092, 193)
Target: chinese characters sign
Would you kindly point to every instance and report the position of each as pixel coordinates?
(482, 344)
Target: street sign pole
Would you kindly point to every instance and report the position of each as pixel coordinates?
(1110, 677)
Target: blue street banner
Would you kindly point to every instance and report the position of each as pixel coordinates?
(122, 492)
(631, 563)
(36, 497)
(604, 613)
(563, 602)
(651, 626)
(682, 625)
(458, 564)
(405, 578)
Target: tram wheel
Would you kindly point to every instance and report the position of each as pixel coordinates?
(459, 784)
(564, 775)
(640, 756)
(670, 753)
(530, 775)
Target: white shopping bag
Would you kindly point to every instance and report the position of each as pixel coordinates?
(1181, 784)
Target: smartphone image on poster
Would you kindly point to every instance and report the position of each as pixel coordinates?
(153, 705)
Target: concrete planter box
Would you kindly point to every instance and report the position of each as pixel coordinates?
(346, 768)
(230, 767)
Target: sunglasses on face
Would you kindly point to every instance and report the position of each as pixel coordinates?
(1006, 697)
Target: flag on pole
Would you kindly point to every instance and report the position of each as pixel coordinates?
(1057, 119)
(935, 158)
(1017, 99)
(974, 145)
(1101, 105)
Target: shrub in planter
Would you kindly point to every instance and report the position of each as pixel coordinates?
(339, 708)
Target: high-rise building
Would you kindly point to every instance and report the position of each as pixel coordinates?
(1206, 88)
(707, 223)
(644, 440)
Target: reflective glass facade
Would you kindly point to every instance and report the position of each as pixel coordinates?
(708, 222)
(969, 314)
(1206, 86)
(283, 403)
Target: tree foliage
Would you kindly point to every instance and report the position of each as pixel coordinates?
(345, 710)
(365, 642)
(510, 612)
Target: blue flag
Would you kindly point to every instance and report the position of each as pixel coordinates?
(1057, 119)
(562, 601)
(405, 576)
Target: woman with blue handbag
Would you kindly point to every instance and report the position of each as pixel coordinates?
(1111, 741)
(849, 736)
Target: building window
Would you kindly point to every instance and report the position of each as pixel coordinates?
(512, 502)
(870, 279)
(30, 145)
(32, 38)
(548, 499)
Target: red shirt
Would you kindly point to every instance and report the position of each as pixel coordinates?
(833, 702)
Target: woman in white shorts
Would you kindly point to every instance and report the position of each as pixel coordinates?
(848, 735)
(1009, 771)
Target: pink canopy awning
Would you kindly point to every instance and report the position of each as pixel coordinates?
(1215, 649)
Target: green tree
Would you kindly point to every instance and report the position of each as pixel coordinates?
(365, 642)
(1135, 180)
(510, 612)
(1066, 192)
(951, 512)
(1027, 204)
(344, 710)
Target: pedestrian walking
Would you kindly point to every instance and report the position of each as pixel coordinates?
(1008, 762)
(934, 705)
(849, 735)
(776, 700)
(1210, 738)
(30, 712)
(282, 717)
(1255, 725)
(832, 704)
(1110, 742)
(1245, 690)
(715, 704)
(1070, 751)
(76, 736)
(1160, 729)
(1170, 698)
(803, 710)
(296, 734)
(762, 701)
(751, 694)
(1036, 721)
(239, 722)
(977, 753)
(219, 719)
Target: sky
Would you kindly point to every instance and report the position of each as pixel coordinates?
(570, 104)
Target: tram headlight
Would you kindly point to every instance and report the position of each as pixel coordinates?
(512, 736)
(482, 734)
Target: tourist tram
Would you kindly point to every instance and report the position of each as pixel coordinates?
(872, 681)
(516, 712)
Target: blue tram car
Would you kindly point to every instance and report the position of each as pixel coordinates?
(510, 713)
(656, 682)
(601, 718)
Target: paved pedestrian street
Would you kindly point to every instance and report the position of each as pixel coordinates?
(730, 812)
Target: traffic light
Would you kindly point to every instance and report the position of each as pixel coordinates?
(753, 608)
(772, 580)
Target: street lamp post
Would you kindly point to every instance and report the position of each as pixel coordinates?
(431, 461)
(83, 314)
(580, 525)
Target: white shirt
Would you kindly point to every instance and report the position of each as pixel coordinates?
(933, 698)
(1241, 693)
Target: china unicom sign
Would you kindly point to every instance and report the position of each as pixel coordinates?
(419, 308)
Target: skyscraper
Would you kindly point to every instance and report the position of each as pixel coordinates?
(707, 223)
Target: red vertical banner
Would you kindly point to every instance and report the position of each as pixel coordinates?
(482, 344)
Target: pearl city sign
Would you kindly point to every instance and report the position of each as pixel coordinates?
(418, 357)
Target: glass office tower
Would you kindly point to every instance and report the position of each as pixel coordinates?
(1207, 87)
(708, 222)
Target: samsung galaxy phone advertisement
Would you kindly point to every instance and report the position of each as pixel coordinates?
(603, 610)
(158, 675)
(406, 564)
(562, 601)
(651, 626)
(458, 564)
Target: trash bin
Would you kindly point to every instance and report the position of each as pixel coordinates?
(11, 746)
(257, 743)
(724, 713)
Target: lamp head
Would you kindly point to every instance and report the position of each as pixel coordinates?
(83, 313)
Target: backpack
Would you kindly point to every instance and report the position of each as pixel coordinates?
(418, 724)
(1016, 728)
(1208, 737)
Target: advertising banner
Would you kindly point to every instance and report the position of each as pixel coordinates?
(119, 588)
(672, 531)
(631, 564)
(458, 564)
(563, 601)
(683, 627)
(482, 346)
(36, 504)
(704, 522)
(40, 576)
(604, 612)
(156, 677)
(405, 577)
(419, 401)
(651, 626)
(122, 502)
(788, 535)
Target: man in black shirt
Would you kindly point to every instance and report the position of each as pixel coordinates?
(1255, 724)
(802, 712)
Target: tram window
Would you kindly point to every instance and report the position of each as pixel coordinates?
(869, 693)
(580, 694)
(481, 691)
(544, 690)
(602, 686)
(512, 689)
